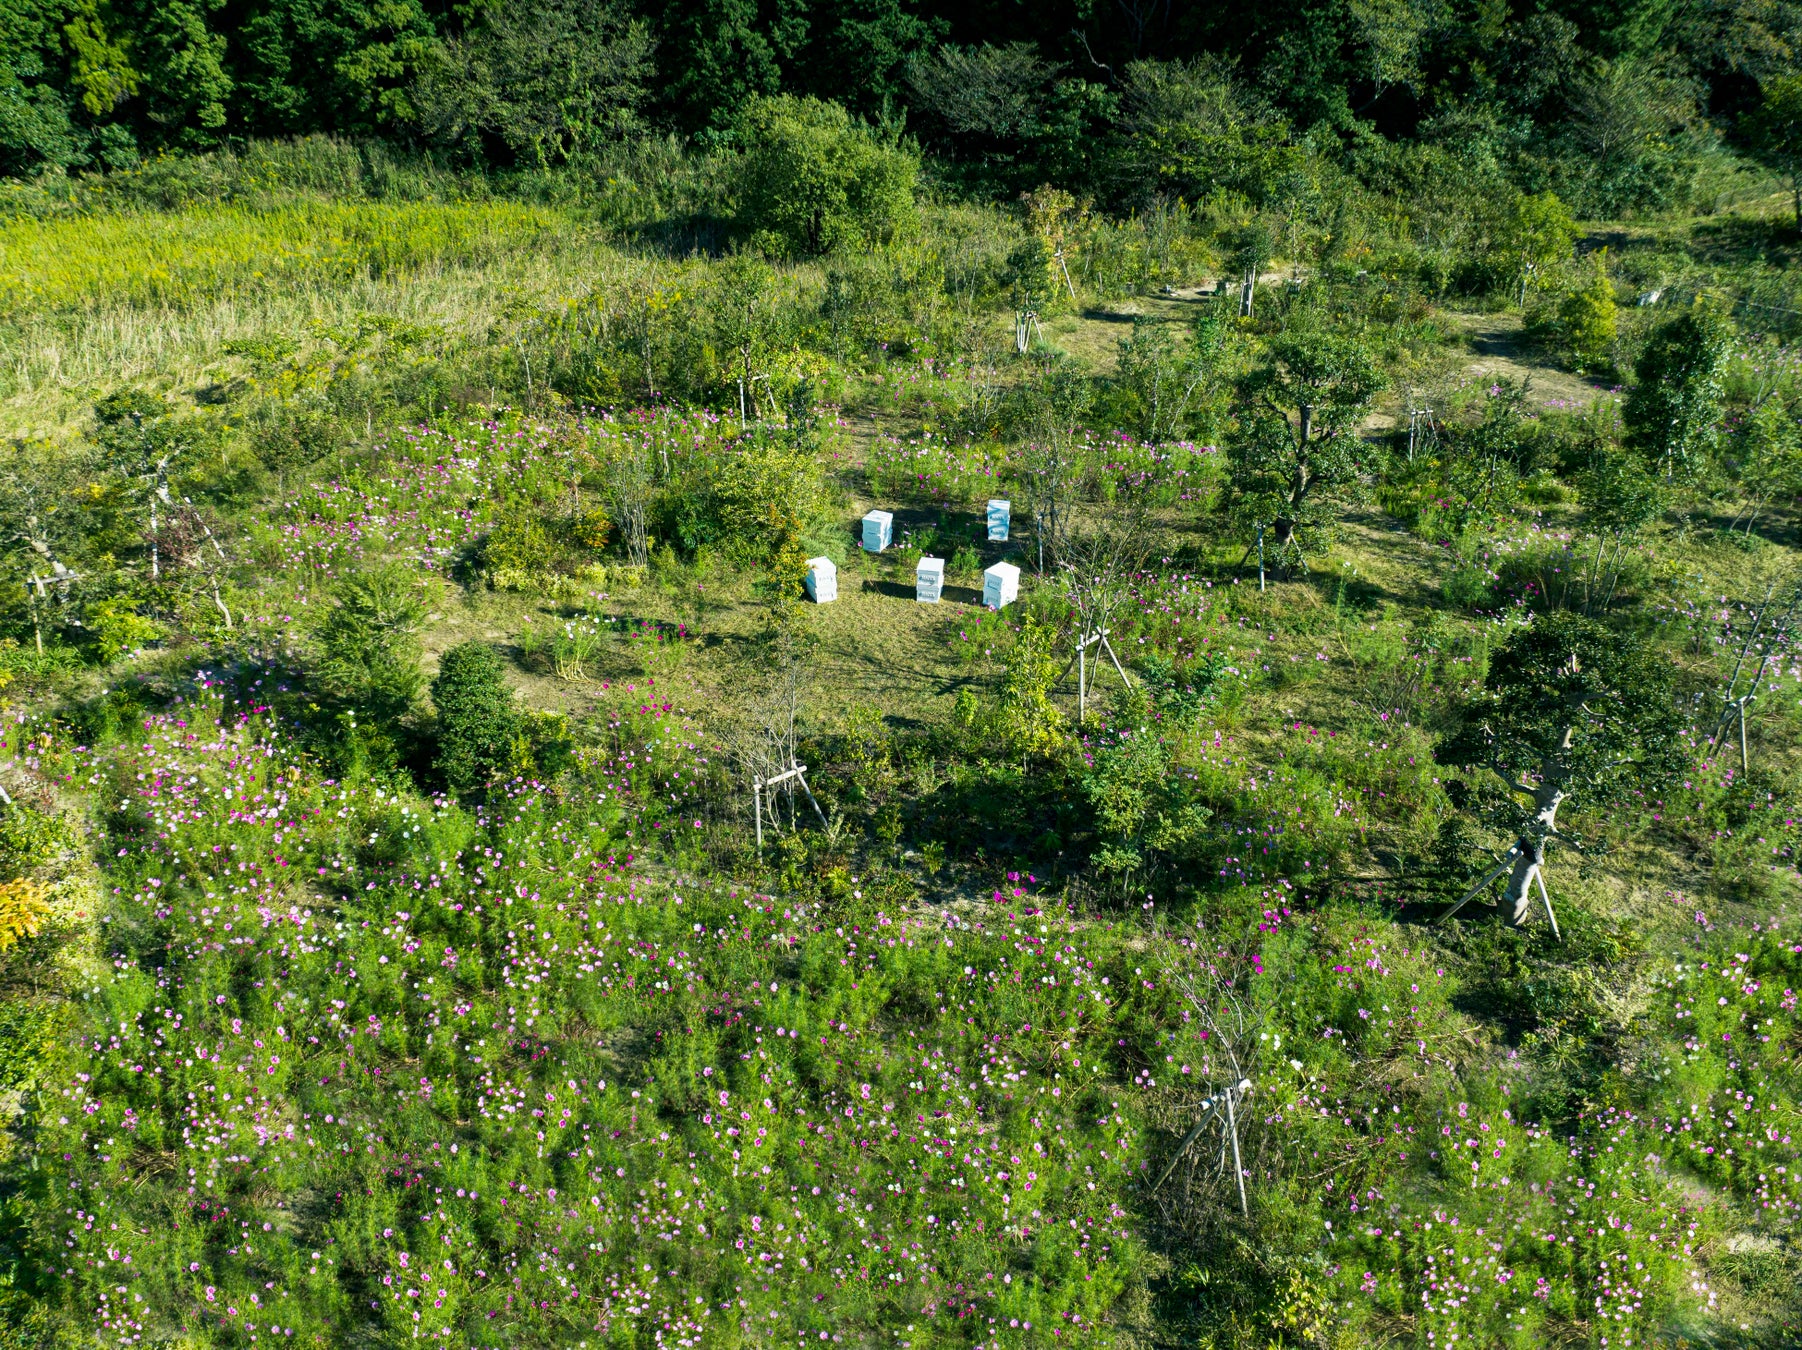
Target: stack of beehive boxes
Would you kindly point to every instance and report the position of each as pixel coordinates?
(822, 581)
(1000, 585)
(929, 580)
(878, 531)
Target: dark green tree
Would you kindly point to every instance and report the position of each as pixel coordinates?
(1776, 127)
(549, 80)
(477, 723)
(1572, 713)
(1298, 449)
(1190, 128)
(1673, 411)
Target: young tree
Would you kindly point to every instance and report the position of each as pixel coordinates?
(1048, 410)
(1571, 712)
(1673, 411)
(1587, 316)
(1535, 234)
(369, 641)
(1767, 459)
(1299, 447)
(1169, 391)
(42, 526)
(477, 723)
(140, 441)
(1482, 462)
(1099, 559)
(742, 302)
(1026, 723)
(1252, 246)
(1620, 498)
(630, 476)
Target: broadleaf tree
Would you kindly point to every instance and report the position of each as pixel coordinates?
(1572, 713)
(1299, 450)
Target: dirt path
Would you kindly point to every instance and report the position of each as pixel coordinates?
(1499, 352)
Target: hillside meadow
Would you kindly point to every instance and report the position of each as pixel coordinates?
(388, 952)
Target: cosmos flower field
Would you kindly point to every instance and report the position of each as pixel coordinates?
(364, 1065)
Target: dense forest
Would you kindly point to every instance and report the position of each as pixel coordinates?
(869, 674)
(1619, 107)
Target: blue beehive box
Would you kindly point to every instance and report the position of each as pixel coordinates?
(878, 531)
(1000, 513)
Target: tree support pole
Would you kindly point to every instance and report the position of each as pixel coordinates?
(1232, 1127)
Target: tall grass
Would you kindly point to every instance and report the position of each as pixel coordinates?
(198, 257)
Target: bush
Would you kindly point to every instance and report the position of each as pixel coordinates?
(476, 720)
(812, 180)
(1588, 319)
(765, 495)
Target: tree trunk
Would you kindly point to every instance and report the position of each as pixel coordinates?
(1518, 898)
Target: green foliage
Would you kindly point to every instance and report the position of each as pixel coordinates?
(1481, 463)
(477, 723)
(1297, 449)
(814, 181)
(552, 81)
(1777, 131)
(31, 838)
(1170, 392)
(765, 493)
(368, 642)
(1192, 128)
(1572, 704)
(1025, 724)
(1146, 818)
(1533, 237)
(1587, 317)
(289, 436)
(1672, 413)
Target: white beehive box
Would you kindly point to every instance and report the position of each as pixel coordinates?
(822, 581)
(878, 531)
(929, 580)
(1000, 516)
(1000, 585)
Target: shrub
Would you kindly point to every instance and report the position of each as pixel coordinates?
(30, 838)
(1587, 317)
(24, 907)
(765, 494)
(812, 180)
(476, 720)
